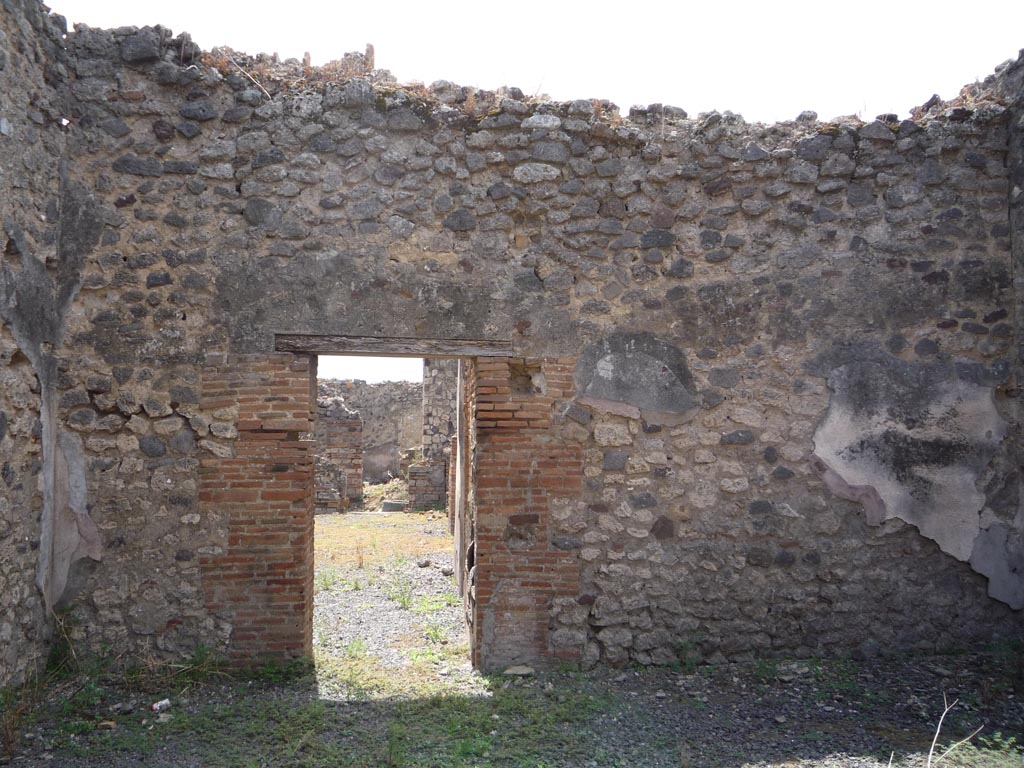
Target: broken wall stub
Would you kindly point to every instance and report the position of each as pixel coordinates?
(734, 312)
(428, 477)
(339, 455)
(440, 385)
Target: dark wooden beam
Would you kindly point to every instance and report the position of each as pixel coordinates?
(390, 346)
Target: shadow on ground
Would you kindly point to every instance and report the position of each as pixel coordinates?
(807, 713)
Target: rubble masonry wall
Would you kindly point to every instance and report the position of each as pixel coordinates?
(764, 375)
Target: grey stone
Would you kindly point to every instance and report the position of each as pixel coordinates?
(643, 500)
(680, 268)
(188, 129)
(738, 437)
(157, 279)
(877, 130)
(142, 46)
(615, 461)
(74, 398)
(577, 414)
(533, 173)
(116, 127)
(152, 446)
(759, 557)
(657, 238)
(460, 220)
(663, 528)
(724, 377)
(550, 122)
(138, 166)
(801, 173)
(814, 148)
(82, 418)
(753, 153)
(550, 152)
(183, 443)
(199, 111)
(180, 167)
(262, 213)
(903, 195)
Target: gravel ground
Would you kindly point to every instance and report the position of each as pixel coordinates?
(393, 687)
(384, 608)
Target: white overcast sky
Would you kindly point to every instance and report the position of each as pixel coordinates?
(766, 60)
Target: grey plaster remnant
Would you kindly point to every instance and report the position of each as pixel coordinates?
(909, 441)
(639, 376)
(74, 534)
(34, 304)
(999, 554)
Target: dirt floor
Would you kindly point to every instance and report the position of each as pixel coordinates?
(391, 686)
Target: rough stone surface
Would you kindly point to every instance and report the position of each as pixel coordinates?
(683, 298)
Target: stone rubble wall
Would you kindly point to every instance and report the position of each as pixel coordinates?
(440, 383)
(735, 349)
(428, 479)
(392, 417)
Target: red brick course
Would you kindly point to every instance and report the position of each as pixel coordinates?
(261, 579)
(521, 464)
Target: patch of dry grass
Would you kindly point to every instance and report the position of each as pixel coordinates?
(363, 539)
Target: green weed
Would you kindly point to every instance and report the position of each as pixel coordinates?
(689, 655)
(326, 579)
(766, 670)
(400, 590)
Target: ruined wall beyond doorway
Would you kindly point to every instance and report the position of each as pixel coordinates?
(391, 413)
(339, 455)
(781, 363)
(428, 477)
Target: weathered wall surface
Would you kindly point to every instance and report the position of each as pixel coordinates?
(392, 416)
(38, 278)
(761, 323)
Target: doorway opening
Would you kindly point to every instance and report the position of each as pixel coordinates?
(385, 595)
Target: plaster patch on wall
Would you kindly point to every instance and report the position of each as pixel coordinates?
(34, 302)
(909, 441)
(638, 376)
(999, 554)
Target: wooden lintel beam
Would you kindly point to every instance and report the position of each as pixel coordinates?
(390, 346)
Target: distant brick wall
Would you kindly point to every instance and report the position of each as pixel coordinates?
(520, 469)
(260, 579)
(427, 484)
(339, 473)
